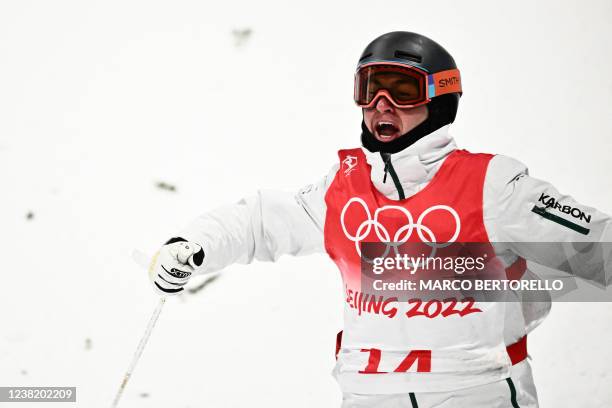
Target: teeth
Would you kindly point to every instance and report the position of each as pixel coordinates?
(384, 127)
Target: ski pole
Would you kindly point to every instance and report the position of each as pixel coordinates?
(139, 350)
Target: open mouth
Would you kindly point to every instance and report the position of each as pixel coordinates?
(387, 130)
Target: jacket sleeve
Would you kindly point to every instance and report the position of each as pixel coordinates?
(537, 222)
(262, 227)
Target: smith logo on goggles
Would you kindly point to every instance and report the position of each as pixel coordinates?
(403, 85)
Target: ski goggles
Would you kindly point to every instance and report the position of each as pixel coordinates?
(403, 85)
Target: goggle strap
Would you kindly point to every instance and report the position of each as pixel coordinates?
(443, 82)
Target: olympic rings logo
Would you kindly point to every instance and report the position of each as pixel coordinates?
(403, 234)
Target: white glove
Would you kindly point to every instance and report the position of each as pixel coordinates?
(174, 264)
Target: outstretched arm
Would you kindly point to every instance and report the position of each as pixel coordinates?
(520, 209)
(262, 227)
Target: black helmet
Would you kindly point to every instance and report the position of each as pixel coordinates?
(418, 51)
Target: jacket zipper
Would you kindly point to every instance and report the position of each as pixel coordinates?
(386, 157)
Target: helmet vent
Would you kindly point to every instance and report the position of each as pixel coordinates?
(408, 56)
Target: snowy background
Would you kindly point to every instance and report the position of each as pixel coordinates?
(102, 100)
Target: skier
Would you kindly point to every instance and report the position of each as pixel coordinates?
(408, 87)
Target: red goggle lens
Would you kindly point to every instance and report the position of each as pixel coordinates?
(406, 86)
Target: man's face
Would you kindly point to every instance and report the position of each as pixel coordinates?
(387, 123)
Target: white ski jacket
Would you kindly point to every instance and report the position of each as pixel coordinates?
(274, 223)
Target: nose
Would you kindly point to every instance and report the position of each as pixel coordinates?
(384, 105)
